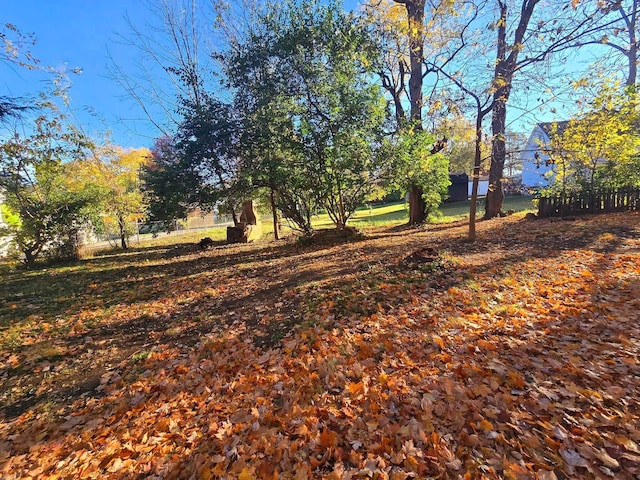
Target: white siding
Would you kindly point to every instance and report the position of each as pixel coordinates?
(535, 173)
(483, 187)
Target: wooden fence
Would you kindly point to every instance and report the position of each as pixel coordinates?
(624, 199)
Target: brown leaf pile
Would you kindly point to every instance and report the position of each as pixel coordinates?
(517, 357)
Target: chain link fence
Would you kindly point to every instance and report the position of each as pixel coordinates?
(140, 231)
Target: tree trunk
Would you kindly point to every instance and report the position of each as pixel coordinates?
(502, 85)
(123, 232)
(416, 206)
(415, 15)
(274, 211)
(505, 68)
(32, 252)
(477, 160)
(630, 20)
(415, 18)
(29, 258)
(495, 195)
(633, 63)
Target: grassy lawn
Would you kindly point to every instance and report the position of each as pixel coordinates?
(408, 353)
(377, 216)
(398, 213)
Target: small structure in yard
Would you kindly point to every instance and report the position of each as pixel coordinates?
(426, 255)
(483, 185)
(457, 191)
(206, 243)
(248, 229)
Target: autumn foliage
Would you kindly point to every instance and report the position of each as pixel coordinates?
(514, 357)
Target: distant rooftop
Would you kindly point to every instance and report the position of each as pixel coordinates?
(548, 127)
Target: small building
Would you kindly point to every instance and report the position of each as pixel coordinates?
(483, 185)
(458, 189)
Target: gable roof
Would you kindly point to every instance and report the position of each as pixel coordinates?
(548, 127)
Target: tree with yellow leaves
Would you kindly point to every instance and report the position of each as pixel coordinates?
(404, 29)
(600, 147)
(116, 173)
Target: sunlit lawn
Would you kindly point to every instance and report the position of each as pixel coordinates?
(379, 215)
(397, 213)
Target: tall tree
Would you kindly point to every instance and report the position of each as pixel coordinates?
(404, 37)
(522, 41)
(505, 68)
(415, 28)
(199, 165)
(315, 59)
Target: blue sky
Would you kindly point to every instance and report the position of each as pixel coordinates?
(79, 34)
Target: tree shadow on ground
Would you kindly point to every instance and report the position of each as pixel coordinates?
(259, 277)
(524, 398)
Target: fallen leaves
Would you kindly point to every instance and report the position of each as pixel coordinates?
(524, 367)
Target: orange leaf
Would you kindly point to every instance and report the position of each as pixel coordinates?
(516, 380)
(449, 386)
(205, 473)
(485, 425)
(487, 345)
(355, 388)
(328, 438)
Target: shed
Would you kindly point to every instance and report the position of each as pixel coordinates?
(458, 188)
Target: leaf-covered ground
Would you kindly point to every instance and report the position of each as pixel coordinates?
(408, 354)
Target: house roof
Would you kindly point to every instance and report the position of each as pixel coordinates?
(548, 127)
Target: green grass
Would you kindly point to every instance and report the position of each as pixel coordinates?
(383, 215)
(398, 213)
(390, 214)
(460, 210)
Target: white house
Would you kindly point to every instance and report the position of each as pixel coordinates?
(536, 170)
